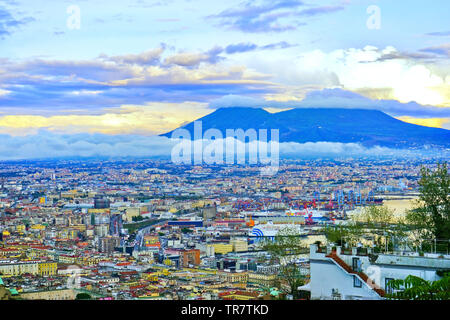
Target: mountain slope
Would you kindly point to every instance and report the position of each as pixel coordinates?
(367, 127)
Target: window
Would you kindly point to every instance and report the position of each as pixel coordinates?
(355, 263)
(356, 282)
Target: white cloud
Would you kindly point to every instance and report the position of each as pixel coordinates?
(4, 92)
(45, 144)
(407, 77)
(335, 98)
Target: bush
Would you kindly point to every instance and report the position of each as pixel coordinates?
(83, 296)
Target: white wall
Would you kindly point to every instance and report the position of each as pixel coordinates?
(326, 275)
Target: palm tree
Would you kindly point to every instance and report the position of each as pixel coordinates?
(415, 288)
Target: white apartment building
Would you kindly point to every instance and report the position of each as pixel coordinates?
(363, 276)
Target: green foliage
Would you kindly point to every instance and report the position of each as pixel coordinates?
(287, 243)
(137, 218)
(375, 222)
(83, 296)
(186, 230)
(340, 234)
(291, 275)
(132, 227)
(415, 288)
(381, 221)
(377, 216)
(442, 272)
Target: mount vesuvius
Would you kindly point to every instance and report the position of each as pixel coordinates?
(366, 127)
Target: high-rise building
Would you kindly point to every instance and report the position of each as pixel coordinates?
(115, 225)
(107, 244)
(209, 212)
(190, 257)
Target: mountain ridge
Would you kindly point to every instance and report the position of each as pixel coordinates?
(364, 126)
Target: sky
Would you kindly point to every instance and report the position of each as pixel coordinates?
(145, 67)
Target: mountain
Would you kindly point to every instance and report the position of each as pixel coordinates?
(367, 127)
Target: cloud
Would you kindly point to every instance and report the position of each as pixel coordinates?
(8, 23)
(443, 49)
(248, 46)
(240, 47)
(45, 144)
(270, 16)
(43, 86)
(49, 145)
(403, 86)
(150, 4)
(439, 34)
(278, 45)
(335, 98)
(150, 57)
(335, 149)
(261, 17)
(190, 59)
(153, 118)
(321, 10)
(428, 122)
(364, 70)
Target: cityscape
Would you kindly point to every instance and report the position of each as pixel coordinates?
(155, 230)
(249, 151)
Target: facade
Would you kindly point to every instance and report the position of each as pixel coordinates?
(209, 212)
(238, 295)
(222, 248)
(101, 230)
(47, 268)
(239, 245)
(64, 294)
(268, 269)
(190, 257)
(115, 225)
(107, 244)
(18, 268)
(266, 280)
(233, 277)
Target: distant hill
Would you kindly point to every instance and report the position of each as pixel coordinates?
(367, 127)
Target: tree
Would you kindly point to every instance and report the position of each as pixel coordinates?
(380, 222)
(83, 296)
(375, 222)
(431, 217)
(286, 242)
(137, 218)
(186, 230)
(415, 288)
(376, 216)
(340, 234)
(291, 275)
(283, 249)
